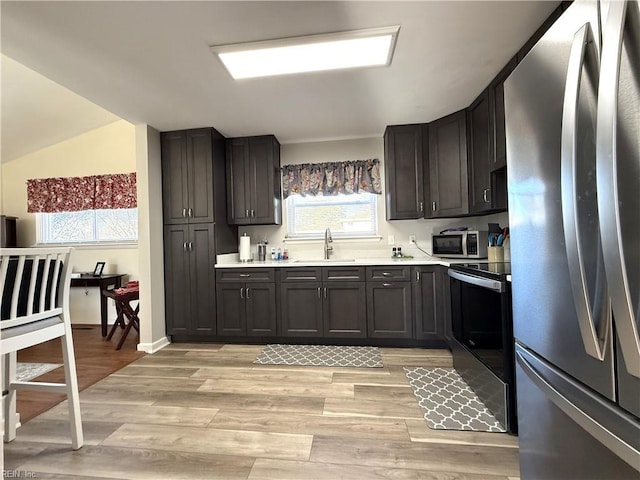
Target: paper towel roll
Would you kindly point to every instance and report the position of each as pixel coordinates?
(245, 248)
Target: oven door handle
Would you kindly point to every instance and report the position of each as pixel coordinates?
(494, 285)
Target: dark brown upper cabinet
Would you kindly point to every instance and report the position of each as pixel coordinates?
(496, 113)
(187, 175)
(448, 190)
(253, 181)
(479, 135)
(403, 161)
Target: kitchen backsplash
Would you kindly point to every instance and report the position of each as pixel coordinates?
(370, 247)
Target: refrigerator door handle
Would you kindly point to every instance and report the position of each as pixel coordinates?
(594, 342)
(608, 186)
(597, 430)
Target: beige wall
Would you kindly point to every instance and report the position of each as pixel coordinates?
(109, 149)
(359, 149)
(150, 240)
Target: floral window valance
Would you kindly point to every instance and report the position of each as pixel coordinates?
(51, 195)
(332, 178)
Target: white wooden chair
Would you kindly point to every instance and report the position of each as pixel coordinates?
(34, 284)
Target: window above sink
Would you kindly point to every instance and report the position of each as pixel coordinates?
(346, 215)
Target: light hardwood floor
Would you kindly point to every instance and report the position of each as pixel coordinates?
(207, 412)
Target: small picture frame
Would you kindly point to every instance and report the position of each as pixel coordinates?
(97, 272)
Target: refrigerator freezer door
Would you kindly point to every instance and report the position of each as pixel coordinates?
(584, 436)
(545, 316)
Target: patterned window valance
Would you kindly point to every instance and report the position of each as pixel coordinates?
(332, 178)
(51, 195)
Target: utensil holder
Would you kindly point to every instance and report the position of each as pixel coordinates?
(495, 254)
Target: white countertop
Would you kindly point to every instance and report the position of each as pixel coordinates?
(231, 261)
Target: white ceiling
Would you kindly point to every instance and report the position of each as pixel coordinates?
(149, 62)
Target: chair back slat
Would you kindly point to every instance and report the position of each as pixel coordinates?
(45, 281)
(54, 289)
(16, 287)
(4, 267)
(35, 264)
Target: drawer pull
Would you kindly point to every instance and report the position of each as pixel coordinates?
(386, 274)
(245, 275)
(386, 284)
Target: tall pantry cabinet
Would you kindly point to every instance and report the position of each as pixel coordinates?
(195, 227)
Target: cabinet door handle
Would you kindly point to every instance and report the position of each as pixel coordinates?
(184, 246)
(190, 212)
(245, 275)
(253, 213)
(191, 246)
(241, 293)
(184, 213)
(246, 213)
(485, 195)
(325, 292)
(246, 293)
(433, 206)
(386, 284)
(318, 292)
(417, 276)
(422, 206)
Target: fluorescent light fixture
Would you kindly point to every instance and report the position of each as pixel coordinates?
(331, 51)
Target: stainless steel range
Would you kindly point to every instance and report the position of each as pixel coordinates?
(483, 347)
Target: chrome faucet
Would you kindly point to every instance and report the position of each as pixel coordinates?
(327, 240)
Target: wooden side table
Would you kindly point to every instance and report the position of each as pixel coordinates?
(104, 282)
(123, 301)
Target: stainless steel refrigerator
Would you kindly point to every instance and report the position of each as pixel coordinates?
(573, 170)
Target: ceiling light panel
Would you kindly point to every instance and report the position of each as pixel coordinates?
(354, 49)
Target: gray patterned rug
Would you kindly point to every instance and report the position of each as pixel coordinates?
(320, 355)
(448, 403)
(29, 371)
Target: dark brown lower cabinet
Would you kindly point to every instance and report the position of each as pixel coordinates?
(445, 301)
(310, 307)
(246, 302)
(344, 309)
(231, 309)
(317, 309)
(301, 309)
(427, 303)
(190, 279)
(389, 310)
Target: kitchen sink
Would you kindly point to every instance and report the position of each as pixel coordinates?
(325, 260)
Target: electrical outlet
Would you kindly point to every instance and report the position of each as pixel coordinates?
(412, 239)
(391, 240)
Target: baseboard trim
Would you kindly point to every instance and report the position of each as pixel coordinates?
(155, 346)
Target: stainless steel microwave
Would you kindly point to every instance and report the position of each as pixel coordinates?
(460, 244)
